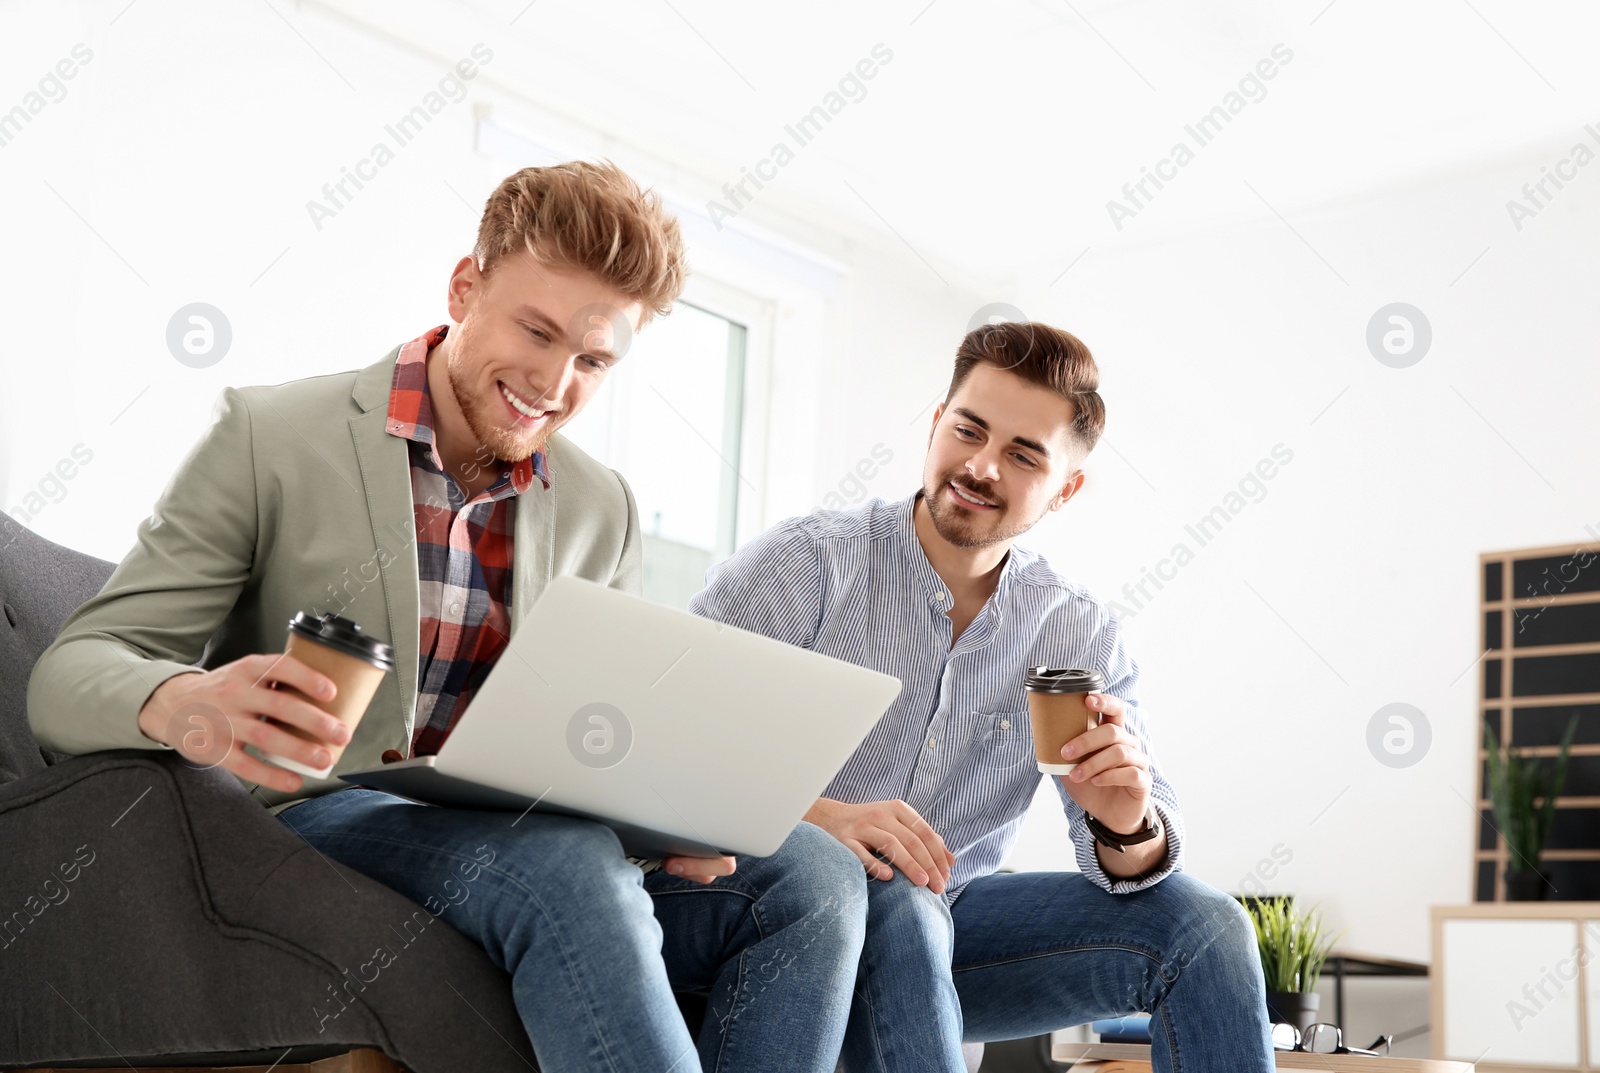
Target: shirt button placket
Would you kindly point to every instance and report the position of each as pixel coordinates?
(929, 770)
(459, 527)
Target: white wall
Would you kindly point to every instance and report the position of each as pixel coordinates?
(1363, 553)
(1350, 585)
(198, 190)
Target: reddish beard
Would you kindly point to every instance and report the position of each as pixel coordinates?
(485, 416)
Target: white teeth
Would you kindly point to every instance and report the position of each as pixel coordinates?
(518, 405)
(968, 498)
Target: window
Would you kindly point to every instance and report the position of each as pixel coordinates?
(668, 418)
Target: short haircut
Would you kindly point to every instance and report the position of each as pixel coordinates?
(1043, 355)
(591, 216)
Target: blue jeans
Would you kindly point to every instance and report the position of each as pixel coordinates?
(595, 949)
(1021, 954)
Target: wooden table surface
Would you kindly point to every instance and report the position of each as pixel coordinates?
(1135, 1058)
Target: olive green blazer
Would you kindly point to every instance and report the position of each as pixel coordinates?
(298, 498)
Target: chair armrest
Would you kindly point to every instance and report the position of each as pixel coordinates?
(151, 908)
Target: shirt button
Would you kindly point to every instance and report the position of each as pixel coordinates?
(455, 608)
(1005, 724)
(933, 743)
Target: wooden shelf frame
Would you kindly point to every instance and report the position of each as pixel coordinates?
(1507, 603)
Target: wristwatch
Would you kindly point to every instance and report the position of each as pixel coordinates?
(1107, 837)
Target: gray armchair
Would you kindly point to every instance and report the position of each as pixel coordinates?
(152, 912)
(155, 913)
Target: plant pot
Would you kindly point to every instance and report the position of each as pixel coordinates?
(1298, 1008)
(1526, 886)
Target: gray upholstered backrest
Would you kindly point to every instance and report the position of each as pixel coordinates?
(41, 583)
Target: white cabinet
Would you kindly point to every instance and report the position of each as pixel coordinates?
(1513, 985)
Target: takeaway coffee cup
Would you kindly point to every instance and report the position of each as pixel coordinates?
(354, 660)
(1057, 711)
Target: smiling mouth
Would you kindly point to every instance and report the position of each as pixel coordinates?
(961, 495)
(526, 414)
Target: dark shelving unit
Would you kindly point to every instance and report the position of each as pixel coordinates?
(1540, 625)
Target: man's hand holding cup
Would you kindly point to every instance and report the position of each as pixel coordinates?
(1111, 777)
(299, 709)
(210, 716)
(1079, 736)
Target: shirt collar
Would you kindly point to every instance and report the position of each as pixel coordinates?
(411, 411)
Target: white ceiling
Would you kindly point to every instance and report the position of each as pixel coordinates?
(992, 141)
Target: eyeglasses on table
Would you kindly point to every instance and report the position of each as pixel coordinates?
(1322, 1038)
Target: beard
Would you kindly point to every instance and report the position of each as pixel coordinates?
(963, 528)
(484, 411)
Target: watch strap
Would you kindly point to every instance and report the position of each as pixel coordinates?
(1107, 837)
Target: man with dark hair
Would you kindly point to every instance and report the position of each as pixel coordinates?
(932, 589)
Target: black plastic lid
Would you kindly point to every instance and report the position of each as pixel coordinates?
(1063, 680)
(343, 635)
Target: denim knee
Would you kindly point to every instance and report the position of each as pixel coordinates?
(1207, 923)
(907, 916)
(567, 858)
(819, 875)
(829, 861)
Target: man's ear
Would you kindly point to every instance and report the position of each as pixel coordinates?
(938, 412)
(1068, 490)
(465, 277)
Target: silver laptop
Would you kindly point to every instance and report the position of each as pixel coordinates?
(685, 736)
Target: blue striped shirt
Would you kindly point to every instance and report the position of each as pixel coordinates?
(956, 744)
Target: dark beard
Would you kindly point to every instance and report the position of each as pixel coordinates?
(958, 531)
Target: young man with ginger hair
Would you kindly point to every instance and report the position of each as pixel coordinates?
(438, 473)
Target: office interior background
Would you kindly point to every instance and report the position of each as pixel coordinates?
(1337, 262)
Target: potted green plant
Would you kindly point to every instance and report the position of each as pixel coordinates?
(1524, 802)
(1293, 949)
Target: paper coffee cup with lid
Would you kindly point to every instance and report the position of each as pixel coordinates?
(355, 660)
(1057, 711)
